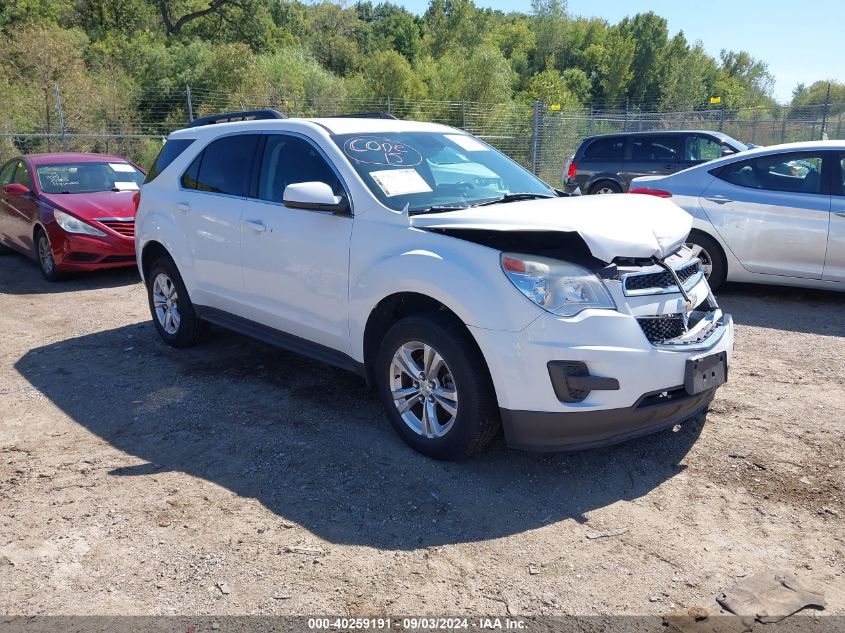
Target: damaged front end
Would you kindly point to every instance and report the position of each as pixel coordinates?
(669, 297)
(671, 301)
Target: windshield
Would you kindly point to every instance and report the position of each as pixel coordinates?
(427, 170)
(88, 177)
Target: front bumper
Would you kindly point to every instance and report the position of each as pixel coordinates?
(77, 252)
(552, 431)
(611, 345)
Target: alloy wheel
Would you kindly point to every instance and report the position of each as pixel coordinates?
(166, 303)
(423, 389)
(603, 191)
(45, 254)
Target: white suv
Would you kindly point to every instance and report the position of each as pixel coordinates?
(467, 291)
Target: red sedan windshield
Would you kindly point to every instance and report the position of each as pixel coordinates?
(87, 177)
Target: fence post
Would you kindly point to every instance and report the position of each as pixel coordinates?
(625, 124)
(592, 121)
(537, 125)
(61, 117)
(825, 112)
(389, 105)
(722, 116)
(838, 125)
(783, 129)
(463, 114)
(190, 104)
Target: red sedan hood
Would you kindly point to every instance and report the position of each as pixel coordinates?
(90, 206)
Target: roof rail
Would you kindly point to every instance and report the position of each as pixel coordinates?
(365, 115)
(246, 115)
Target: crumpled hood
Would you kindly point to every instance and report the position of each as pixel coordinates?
(612, 226)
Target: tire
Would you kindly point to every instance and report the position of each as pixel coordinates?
(712, 258)
(603, 187)
(173, 313)
(462, 380)
(44, 256)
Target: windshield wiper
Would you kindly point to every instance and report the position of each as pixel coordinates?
(514, 197)
(438, 208)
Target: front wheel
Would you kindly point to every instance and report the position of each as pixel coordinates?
(435, 387)
(713, 260)
(173, 313)
(44, 250)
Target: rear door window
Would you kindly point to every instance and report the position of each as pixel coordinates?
(663, 149)
(796, 173)
(224, 166)
(7, 172)
(170, 152)
(606, 149)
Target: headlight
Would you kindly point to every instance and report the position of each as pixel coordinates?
(559, 287)
(75, 225)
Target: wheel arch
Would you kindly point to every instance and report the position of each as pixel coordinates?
(395, 307)
(150, 252)
(613, 179)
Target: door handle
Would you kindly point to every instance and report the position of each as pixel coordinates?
(669, 166)
(718, 199)
(256, 225)
(184, 207)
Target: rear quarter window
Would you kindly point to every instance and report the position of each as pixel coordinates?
(605, 149)
(170, 152)
(224, 166)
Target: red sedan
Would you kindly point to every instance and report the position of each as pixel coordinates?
(70, 212)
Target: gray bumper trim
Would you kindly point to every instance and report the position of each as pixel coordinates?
(568, 431)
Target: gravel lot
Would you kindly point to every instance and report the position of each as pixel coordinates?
(235, 478)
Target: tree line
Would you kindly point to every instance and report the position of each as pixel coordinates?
(125, 59)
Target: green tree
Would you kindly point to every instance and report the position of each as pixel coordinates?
(389, 74)
(484, 76)
(550, 87)
(649, 33)
(550, 21)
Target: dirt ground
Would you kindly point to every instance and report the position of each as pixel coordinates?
(234, 478)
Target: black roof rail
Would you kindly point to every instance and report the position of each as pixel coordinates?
(245, 115)
(365, 115)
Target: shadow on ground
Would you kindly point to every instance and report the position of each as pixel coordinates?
(785, 308)
(311, 443)
(23, 277)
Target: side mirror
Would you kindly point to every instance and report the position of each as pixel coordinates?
(15, 189)
(315, 196)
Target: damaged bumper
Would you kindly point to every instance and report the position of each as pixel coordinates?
(605, 376)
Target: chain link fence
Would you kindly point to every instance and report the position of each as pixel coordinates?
(538, 136)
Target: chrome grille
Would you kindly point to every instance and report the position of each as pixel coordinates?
(121, 226)
(657, 281)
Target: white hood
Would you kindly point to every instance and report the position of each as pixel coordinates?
(611, 226)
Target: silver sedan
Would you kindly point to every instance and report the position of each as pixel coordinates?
(773, 215)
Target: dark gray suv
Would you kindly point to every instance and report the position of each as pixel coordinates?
(607, 163)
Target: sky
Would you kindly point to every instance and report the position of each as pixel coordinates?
(801, 43)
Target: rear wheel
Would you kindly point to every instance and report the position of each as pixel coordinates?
(44, 251)
(435, 387)
(605, 187)
(712, 258)
(171, 308)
